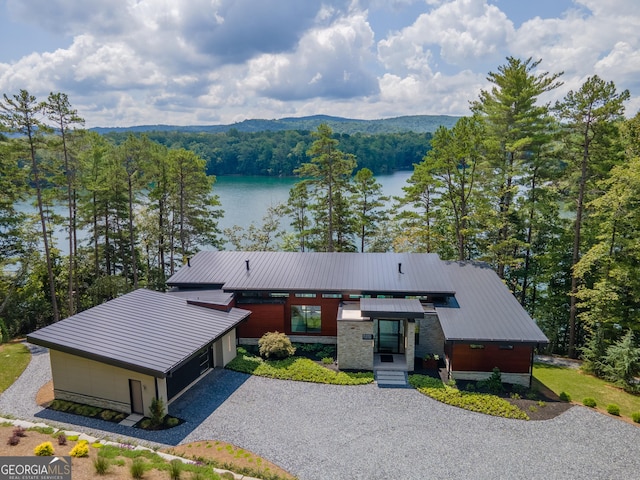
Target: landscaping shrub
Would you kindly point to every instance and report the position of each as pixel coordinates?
(101, 465)
(62, 439)
(13, 440)
(492, 384)
(564, 396)
(80, 450)
(613, 409)
(589, 402)
(45, 449)
(156, 413)
(175, 469)
(327, 360)
(19, 432)
(137, 468)
(172, 422)
(635, 416)
(275, 345)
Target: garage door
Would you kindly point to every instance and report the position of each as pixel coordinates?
(190, 371)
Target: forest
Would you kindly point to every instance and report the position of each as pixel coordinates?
(546, 194)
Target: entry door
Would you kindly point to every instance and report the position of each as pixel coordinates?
(135, 390)
(390, 336)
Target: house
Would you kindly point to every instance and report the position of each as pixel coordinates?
(140, 346)
(373, 307)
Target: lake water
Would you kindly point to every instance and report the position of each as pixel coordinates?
(245, 200)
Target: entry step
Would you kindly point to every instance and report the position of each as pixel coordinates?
(391, 379)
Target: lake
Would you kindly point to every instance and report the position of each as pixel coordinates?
(246, 199)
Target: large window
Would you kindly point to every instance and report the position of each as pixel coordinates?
(306, 319)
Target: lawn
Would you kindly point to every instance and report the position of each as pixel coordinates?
(14, 358)
(580, 385)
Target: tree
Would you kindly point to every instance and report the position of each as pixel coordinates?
(58, 110)
(329, 172)
(368, 202)
(19, 114)
(622, 361)
(513, 120)
(297, 208)
(588, 117)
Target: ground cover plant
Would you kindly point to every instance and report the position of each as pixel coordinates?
(87, 410)
(295, 368)
(477, 402)
(15, 358)
(579, 385)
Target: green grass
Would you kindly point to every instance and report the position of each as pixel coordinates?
(475, 402)
(14, 358)
(580, 385)
(296, 368)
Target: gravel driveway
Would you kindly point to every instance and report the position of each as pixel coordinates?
(335, 432)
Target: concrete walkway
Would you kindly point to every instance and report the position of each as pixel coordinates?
(329, 432)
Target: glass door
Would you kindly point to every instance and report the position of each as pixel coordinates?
(390, 336)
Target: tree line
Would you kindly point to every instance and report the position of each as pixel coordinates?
(280, 153)
(545, 194)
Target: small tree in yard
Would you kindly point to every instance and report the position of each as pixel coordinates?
(275, 345)
(623, 362)
(156, 413)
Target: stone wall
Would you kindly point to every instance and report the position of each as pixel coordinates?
(354, 352)
(431, 336)
(409, 344)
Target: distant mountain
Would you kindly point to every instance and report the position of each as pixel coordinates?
(410, 123)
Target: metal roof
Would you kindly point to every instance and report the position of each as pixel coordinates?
(145, 331)
(315, 271)
(211, 296)
(487, 309)
(391, 307)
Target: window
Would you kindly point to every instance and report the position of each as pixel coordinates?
(331, 295)
(305, 295)
(279, 295)
(506, 347)
(354, 296)
(476, 346)
(306, 319)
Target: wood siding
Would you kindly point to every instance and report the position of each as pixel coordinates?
(465, 358)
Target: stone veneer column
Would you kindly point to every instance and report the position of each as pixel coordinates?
(431, 336)
(410, 336)
(354, 352)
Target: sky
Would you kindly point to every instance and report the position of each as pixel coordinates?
(205, 62)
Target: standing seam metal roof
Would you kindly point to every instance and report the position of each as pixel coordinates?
(315, 271)
(145, 331)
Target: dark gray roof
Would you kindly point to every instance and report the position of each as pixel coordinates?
(337, 272)
(391, 307)
(215, 296)
(145, 331)
(487, 309)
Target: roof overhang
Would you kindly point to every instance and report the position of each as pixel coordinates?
(391, 308)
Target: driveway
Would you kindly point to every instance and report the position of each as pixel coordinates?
(335, 432)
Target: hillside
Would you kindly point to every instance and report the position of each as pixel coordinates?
(412, 123)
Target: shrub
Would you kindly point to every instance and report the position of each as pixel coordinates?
(172, 422)
(533, 408)
(635, 416)
(275, 345)
(564, 396)
(72, 438)
(327, 360)
(137, 468)
(45, 449)
(19, 432)
(13, 440)
(101, 465)
(542, 403)
(492, 384)
(515, 396)
(62, 439)
(175, 469)
(156, 413)
(80, 450)
(589, 402)
(613, 409)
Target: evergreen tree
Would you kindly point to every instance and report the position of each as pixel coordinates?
(368, 203)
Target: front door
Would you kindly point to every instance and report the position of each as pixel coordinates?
(135, 390)
(390, 338)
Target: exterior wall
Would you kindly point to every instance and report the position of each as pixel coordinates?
(464, 358)
(329, 308)
(514, 378)
(228, 347)
(294, 338)
(409, 344)
(265, 317)
(354, 353)
(431, 337)
(86, 381)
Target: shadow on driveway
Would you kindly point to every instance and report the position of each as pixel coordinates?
(194, 406)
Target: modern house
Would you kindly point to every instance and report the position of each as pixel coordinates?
(144, 345)
(373, 306)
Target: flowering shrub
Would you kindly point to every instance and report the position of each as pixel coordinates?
(45, 449)
(80, 450)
